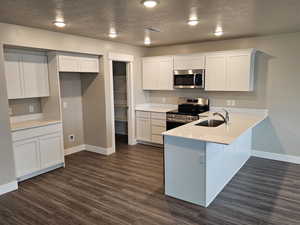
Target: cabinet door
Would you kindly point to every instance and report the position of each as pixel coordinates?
(89, 64)
(150, 74)
(35, 73)
(165, 75)
(51, 150)
(27, 159)
(158, 73)
(189, 62)
(69, 63)
(239, 72)
(215, 78)
(143, 129)
(13, 75)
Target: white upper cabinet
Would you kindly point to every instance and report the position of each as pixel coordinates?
(78, 63)
(13, 75)
(215, 74)
(230, 71)
(189, 62)
(158, 73)
(89, 64)
(36, 79)
(26, 74)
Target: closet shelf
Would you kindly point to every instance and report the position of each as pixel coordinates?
(120, 119)
(121, 105)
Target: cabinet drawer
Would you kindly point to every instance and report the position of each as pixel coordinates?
(35, 132)
(142, 114)
(155, 115)
(158, 139)
(158, 130)
(160, 123)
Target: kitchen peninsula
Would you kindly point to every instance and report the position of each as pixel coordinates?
(201, 160)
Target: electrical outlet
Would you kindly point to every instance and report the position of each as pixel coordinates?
(232, 102)
(10, 111)
(163, 100)
(31, 108)
(71, 138)
(65, 105)
(228, 102)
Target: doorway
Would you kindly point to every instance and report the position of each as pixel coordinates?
(120, 101)
(126, 108)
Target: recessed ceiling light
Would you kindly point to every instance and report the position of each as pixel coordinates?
(112, 35)
(193, 22)
(219, 32)
(150, 3)
(59, 24)
(147, 41)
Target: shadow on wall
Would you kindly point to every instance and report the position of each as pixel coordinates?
(265, 138)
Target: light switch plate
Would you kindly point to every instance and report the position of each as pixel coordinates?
(10, 112)
(31, 108)
(65, 105)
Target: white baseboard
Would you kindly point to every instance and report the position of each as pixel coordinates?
(75, 149)
(275, 156)
(99, 150)
(5, 188)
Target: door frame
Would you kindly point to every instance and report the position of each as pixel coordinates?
(129, 59)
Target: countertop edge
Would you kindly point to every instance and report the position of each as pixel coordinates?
(41, 124)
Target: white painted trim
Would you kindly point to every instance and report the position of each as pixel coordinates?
(276, 156)
(5, 188)
(130, 96)
(42, 171)
(99, 150)
(74, 149)
(19, 119)
(120, 57)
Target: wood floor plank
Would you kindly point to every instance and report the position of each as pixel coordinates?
(127, 188)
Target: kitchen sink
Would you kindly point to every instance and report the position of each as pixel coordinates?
(210, 123)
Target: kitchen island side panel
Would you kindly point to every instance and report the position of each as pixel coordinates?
(223, 162)
(185, 169)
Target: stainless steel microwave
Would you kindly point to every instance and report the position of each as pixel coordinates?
(189, 78)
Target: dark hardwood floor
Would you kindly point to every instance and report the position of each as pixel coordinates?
(127, 188)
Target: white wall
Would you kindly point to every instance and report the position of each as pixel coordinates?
(276, 87)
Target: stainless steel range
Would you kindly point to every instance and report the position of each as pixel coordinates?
(188, 111)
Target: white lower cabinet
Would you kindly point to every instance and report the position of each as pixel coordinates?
(37, 149)
(51, 152)
(143, 129)
(27, 158)
(150, 126)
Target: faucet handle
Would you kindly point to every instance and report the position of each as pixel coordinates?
(227, 114)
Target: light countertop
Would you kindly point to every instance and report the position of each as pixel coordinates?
(163, 108)
(223, 134)
(31, 124)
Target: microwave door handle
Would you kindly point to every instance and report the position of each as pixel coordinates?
(194, 79)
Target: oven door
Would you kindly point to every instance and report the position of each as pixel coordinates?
(173, 124)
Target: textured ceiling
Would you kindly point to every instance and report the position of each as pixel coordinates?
(93, 18)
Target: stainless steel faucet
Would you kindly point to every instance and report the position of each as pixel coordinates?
(225, 118)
